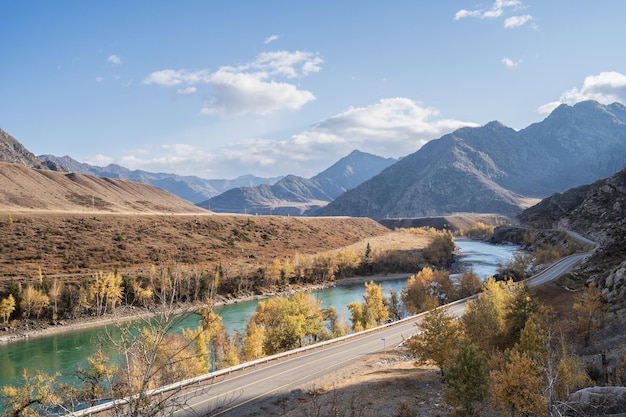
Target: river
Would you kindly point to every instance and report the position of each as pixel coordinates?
(63, 351)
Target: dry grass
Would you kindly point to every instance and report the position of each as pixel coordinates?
(66, 244)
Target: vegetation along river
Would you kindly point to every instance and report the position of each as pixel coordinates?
(61, 352)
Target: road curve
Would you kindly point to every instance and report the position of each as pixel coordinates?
(226, 397)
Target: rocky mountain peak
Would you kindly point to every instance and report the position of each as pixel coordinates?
(12, 151)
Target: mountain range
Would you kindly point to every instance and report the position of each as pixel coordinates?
(494, 168)
(191, 188)
(295, 195)
(487, 169)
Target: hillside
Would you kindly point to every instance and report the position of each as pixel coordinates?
(75, 245)
(495, 169)
(597, 211)
(29, 189)
(294, 195)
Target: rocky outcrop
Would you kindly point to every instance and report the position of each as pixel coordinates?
(597, 401)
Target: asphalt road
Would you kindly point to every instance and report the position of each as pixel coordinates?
(230, 396)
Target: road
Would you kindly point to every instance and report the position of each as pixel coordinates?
(227, 397)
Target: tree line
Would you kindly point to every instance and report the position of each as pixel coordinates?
(103, 292)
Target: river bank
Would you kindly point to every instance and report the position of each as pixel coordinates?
(33, 328)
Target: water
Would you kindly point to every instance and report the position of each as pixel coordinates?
(62, 352)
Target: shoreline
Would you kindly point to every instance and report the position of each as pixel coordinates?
(129, 313)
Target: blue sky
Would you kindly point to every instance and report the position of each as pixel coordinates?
(219, 89)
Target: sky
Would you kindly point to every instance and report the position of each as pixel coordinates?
(219, 89)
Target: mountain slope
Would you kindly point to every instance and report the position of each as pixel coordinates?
(295, 195)
(191, 188)
(14, 152)
(45, 190)
(495, 169)
(598, 212)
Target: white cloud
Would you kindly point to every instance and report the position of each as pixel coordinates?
(100, 160)
(171, 78)
(517, 21)
(270, 39)
(511, 63)
(497, 10)
(256, 87)
(114, 59)
(237, 94)
(392, 128)
(99, 79)
(605, 88)
(186, 91)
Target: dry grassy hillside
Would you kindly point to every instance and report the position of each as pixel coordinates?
(33, 189)
(70, 243)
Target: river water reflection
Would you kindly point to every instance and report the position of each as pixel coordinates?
(62, 352)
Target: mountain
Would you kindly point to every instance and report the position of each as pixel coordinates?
(14, 152)
(295, 195)
(27, 183)
(190, 188)
(495, 169)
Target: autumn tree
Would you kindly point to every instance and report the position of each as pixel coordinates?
(372, 311)
(590, 309)
(96, 378)
(253, 341)
(561, 371)
(288, 322)
(35, 395)
(54, 294)
(7, 306)
(484, 319)
(522, 305)
(440, 250)
(467, 378)
(152, 355)
(517, 386)
(33, 301)
(468, 284)
(437, 340)
(417, 294)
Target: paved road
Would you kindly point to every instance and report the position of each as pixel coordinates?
(227, 397)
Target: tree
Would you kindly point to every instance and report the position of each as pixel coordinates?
(484, 319)
(288, 322)
(34, 396)
(7, 306)
(440, 250)
(54, 293)
(152, 355)
(518, 386)
(96, 378)
(468, 284)
(416, 295)
(33, 301)
(253, 341)
(522, 305)
(467, 378)
(394, 305)
(438, 339)
(590, 309)
(372, 311)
